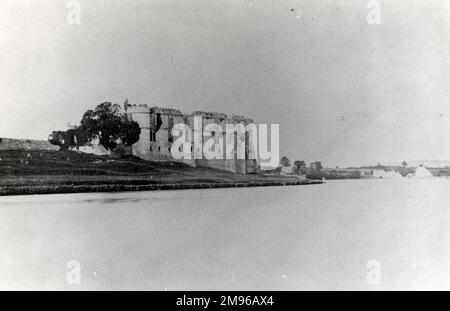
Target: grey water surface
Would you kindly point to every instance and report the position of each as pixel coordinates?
(272, 238)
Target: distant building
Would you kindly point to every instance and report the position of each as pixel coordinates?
(316, 166)
(288, 170)
(422, 172)
(383, 174)
(393, 174)
(379, 173)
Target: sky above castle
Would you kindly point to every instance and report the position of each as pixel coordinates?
(344, 91)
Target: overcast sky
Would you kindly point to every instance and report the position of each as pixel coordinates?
(343, 91)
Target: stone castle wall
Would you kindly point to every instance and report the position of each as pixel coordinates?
(156, 139)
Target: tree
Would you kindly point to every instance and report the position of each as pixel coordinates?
(106, 123)
(300, 167)
(110, 126)
(316, 166)
(81, 136)
(285, 161)
(404, 169)
(130, 131)
(315, 170)
(61, 139)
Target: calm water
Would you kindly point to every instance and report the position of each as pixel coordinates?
(280, 238)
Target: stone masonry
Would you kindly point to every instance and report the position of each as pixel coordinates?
(156, 138)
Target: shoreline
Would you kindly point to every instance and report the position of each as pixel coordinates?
(57, 172)
(67, 189)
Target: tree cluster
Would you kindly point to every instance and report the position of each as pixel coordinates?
(105, 123)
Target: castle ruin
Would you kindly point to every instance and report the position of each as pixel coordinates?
(156, 137)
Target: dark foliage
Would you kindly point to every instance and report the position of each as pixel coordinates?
(106, 123)
(285, 161)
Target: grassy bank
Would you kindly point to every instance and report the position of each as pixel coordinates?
(43, 172)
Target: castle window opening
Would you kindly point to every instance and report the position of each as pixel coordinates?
(152, 135)
(170, 126)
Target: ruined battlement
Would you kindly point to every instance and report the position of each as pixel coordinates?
(210, 115)
(138, 109)
(143, 108)
(241, 119)
(165, 111)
